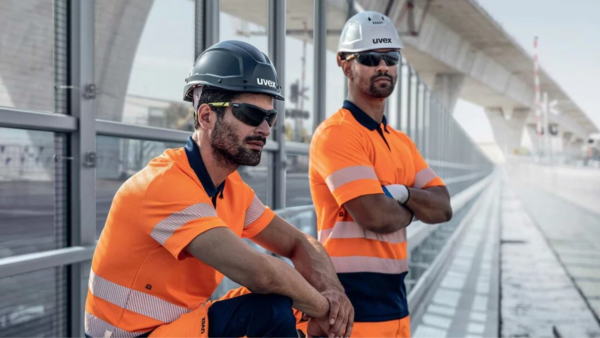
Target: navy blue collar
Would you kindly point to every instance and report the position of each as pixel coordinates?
(193, 154)
(362, 117)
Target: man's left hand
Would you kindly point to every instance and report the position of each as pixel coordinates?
(341, 313)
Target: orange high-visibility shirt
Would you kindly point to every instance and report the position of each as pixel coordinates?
(141, 275)
(352, 155)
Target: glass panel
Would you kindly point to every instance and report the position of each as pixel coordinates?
(238, 23)
(31, 218)
(412, 121)
(420, 117)
(257, 177)
(34, 304)
(405, 98)
(144, 51)
(297, 186)
(27, 54)
(299, 74)
(119, 159)
(392, 106)
(337, 14)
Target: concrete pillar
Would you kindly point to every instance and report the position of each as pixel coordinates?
(26, 54)
(536, 141)
(576, 148)
(507, 125)
(447, 88)
(567, 137)
(119, 27)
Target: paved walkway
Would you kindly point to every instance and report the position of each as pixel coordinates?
(528, 263)
(539, 296)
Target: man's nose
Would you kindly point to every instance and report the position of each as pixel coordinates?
(382, 67)
(264, 129)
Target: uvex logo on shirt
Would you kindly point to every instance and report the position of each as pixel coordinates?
(382, 40)
(203, 327)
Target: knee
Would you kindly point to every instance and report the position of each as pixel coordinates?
(276, 309)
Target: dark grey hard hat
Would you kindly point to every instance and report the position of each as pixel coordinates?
(234, 66)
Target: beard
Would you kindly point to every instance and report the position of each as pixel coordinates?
(383, 89)
(229, 151)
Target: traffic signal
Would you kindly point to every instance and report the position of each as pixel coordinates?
(297, 113)
(294, 92)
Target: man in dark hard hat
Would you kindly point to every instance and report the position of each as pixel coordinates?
(176, 227)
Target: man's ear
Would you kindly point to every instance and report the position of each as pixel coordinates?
(347, 68)
(206, 116)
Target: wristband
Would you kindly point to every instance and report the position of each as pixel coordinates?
(399, 192)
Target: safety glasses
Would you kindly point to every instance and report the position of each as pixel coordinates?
(248, 113)
(373, 59)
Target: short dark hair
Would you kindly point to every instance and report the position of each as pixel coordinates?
(209, 95)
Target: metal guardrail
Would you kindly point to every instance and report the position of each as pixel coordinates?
(418, 231)
(424, 283)
(11, 266)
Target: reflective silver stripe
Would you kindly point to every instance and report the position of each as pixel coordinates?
(369, 264)
(165, 228)
(354, 230)
(350, 174)
(257, 209)
(423, 177)
(96, 327)
(323, 235)
(135, 301)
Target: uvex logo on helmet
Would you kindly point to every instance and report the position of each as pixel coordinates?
(265, 82)
(382, 40)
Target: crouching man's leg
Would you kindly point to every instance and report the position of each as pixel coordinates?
(250, 315)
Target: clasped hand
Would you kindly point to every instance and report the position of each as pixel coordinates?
(340, 320)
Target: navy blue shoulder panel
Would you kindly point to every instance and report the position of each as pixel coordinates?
(376, 297)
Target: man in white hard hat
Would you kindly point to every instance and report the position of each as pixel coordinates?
(369, 182)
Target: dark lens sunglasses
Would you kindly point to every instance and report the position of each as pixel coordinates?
(248, 113)
(373, 59)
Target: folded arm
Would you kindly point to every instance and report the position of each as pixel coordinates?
(313, 263)
(378, 213)
(260, 273)
(430, 205)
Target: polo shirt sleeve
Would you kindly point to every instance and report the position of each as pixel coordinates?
(257, 216)
(339, 156)
(175, 210)
(425, 177)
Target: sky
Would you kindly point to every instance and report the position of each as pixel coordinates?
(567, 32)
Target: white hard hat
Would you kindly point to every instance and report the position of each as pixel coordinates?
(369, 30)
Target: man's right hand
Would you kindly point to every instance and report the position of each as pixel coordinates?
(317, 327)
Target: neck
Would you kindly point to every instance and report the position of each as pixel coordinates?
(372, 106)
(216, 170)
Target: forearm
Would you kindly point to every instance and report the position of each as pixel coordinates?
(313, 263)
(429, 206)
(280, 278)
(395, 218)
